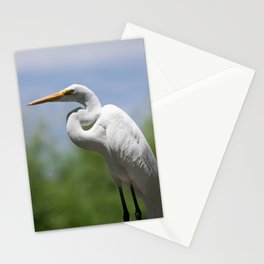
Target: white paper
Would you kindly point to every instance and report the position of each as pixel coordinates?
(196, 98)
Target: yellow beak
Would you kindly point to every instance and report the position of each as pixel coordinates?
(49, 98)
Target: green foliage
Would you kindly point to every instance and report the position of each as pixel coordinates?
(74, 189)
(149, 134)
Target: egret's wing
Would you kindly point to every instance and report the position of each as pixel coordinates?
(128, 143)
(130, 148)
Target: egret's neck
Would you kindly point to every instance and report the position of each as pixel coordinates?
(80, 118)
(91, 111)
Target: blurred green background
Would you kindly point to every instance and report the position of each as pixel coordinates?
(74, 189)
(71, 187)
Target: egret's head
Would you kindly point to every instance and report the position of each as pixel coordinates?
(73, 93)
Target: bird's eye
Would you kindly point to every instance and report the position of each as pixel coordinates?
(69, 91)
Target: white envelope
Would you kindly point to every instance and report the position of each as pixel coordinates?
(196, 98)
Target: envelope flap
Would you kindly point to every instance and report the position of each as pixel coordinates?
(181, 64)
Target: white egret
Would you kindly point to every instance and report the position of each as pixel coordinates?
(118, 139)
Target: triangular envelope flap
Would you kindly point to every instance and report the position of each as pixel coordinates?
(181, 64)
(154, 226)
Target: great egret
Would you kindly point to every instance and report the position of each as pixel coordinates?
(116, 136)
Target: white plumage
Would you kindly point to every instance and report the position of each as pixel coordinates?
(113, 134)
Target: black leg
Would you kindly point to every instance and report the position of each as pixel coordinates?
(138, 211)
(126, 213)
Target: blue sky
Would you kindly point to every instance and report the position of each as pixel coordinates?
(115, 71)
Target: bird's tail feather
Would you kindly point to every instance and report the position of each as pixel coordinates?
(152, 201)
